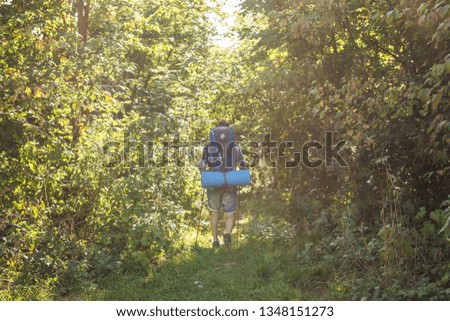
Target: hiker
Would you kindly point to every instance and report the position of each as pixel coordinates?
(222, 155)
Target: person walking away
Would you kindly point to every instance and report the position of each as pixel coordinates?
(222, 154)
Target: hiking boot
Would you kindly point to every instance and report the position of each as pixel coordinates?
(227, 240)
(215, 244)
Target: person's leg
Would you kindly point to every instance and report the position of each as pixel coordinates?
(215, 225)
(214, 206)
(229, 200)
(229, 222)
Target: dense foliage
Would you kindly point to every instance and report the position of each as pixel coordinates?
(93, 93)
(377, 74)
(75, 116)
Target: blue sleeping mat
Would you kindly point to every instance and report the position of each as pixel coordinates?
(231, 178)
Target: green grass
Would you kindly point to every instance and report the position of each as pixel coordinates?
(255, 270)
(248, 272)
(259, 267)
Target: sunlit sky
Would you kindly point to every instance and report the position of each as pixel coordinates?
(223, 26)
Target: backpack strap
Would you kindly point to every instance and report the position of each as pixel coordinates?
(229, 152)
(214, 156)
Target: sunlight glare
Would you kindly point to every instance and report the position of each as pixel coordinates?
(223, 25)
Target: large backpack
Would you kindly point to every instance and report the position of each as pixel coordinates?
(220, 148)
(219, 158)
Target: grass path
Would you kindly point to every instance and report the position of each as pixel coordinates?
(251, 271)
(255, 269)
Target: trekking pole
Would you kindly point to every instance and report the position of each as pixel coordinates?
(238, 218)
(199, 216)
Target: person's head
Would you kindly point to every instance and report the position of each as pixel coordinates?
(223, 123)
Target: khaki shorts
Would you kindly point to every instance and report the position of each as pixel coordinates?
(225, 197)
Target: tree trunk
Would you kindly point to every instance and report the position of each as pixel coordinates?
(83, 18)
